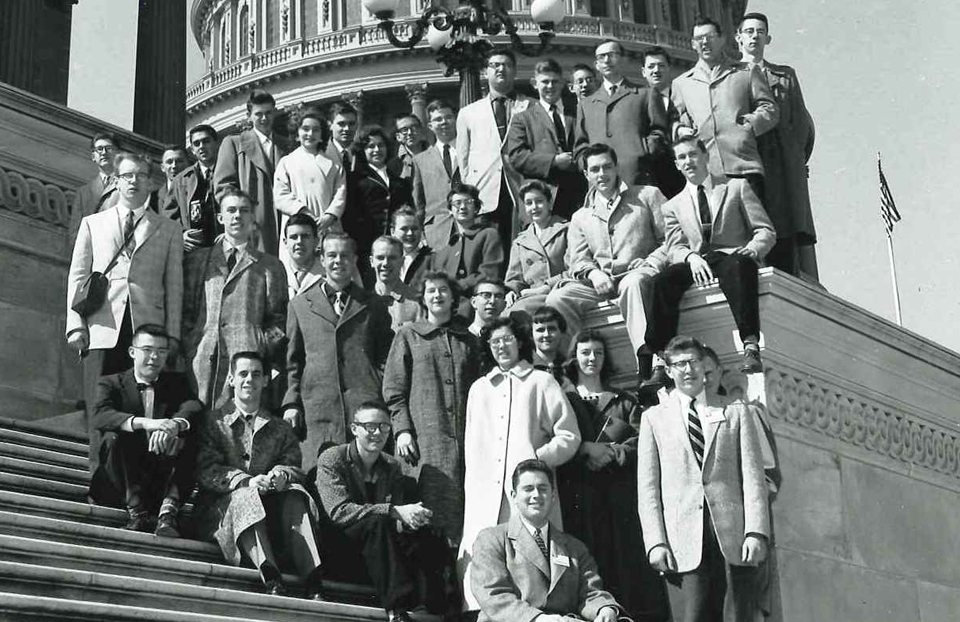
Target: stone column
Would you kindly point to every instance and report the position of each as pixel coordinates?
(355, 99)
(35, 46)
(417, 94)
(159, 102)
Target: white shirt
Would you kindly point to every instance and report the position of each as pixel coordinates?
(382, 172)
(685, 405)
(227, 247)
(707, 188)
(544, 531)
(607, 84)
(265, 141)
(559, 108)
(409, 257)
(453, 151)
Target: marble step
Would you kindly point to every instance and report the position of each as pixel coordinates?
(76, 511)
(41, 441)
(41, 486)
(44, 456)
(18, 607)
(53, 472)
(41, 429)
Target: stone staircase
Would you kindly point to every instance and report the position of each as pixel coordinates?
(64, 559)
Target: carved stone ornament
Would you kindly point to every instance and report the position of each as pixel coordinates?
(35, 199)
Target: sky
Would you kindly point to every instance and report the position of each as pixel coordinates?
(874, 80)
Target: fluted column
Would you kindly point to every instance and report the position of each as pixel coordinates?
(417, 94)
(159, 102)
(35, 46)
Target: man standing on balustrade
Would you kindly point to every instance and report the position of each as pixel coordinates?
(193, 191)
(656, 71)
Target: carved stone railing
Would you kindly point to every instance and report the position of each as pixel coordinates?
(35, 199)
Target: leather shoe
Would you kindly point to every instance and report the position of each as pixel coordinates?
(657, 379)
(398, 616)
(139, 520)
(275, 588)
(167, 526)
(751, 359)
(316, 595)
(644, 363)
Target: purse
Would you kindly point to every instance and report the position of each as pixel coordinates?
(92, 293)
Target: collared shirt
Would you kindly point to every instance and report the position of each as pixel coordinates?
(607, 84)
(453, 150)
(266, 142)
(544, 531)
(227, 247)
(105, 179)
(408, 258)
(707, 187)
(204, 169)
(685, 404)
(602, 202)
(137, 212)
(382, 172)
(559, 108)
(664, 97)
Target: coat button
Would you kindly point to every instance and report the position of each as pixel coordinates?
(448, 381)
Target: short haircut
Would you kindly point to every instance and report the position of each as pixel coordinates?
(375, 405)
(503, 52)
(437, 275)
(691, 139)
(113, 138)
(538, 186)
(599, 149)
(655, 51)
(404, 210)
(754, 15)
(388, 239)
(439, 104)
(230, 191)
(259, 97)
(682, 343)
(488, 280)
(410, 115)
(531, 465)
(203, 128)
(362, 141)
(706, 21)
(154, 330)
(520, 330)
(711, 354)
(583, 67)
(471, 191)
(341, 236)
(137, 158)
(586, 336)
(302, 220)
(340, 108)
(611, 40)
(547, 65)
(316, 115)
(545, 314)
(180, 148)
(249, 355)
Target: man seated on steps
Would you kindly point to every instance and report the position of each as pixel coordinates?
(148, 453)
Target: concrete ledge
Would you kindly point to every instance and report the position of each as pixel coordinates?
(44, 609)
(25, 503)
(42, 486)
(44, 456)
(41, 439)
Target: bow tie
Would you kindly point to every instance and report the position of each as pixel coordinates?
(143, 385)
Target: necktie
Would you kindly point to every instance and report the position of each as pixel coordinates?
(128, 226)
(339, 303)
(345, 158)
(447, 161)
(540, 543)
(558, 126)
(695, 431)
(298, 274)
(231, 260)
(147, 396)
(706, 222)
(268, 150)
(613, 90)
(500, 115)
(208, 194)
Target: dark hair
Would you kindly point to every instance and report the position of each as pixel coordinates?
(138, 158)
(341, 108)
(338, 235)
(545, 314)
(503, 52)
(437, 275)
(388, 239)
(250, 355)
(519, 329)
(404, 210)
(531, 465)
(547, 65)
(113, 138)
(711, 354)
(231, 191)
(316, 115)
(684, 140)
(362, 140)
(586, 336)
(180, 148)
(302, 220)
(439, 104)
(537, 185)
(757, 16)
(488, 280)
(611, 40)
(583, 67)
(598, 149)
(203, 127)
(655, 51)
(682, 343)
(460, 188)
(259, 97)
(706, 21)
(409, 115)
(154, 330)
(377, 405)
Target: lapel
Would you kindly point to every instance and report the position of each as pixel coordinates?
(437, 163)
(146, 229)
(718, 196)
(689, 215)
(316, 297)
(250, 257)
(250, 144)
(677, 422)
(524, 543)
(547, 122)
(623, 90)
(558, 550)
(374, 176)
(131, 395)
(709, 430)
(218, 261)
(356, 303)
(528, 239)
(312, 277)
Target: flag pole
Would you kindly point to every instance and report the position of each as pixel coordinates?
(893, 279)
(890, 219)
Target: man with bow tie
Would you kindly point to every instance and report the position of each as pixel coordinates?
(194, 192)
(148, 455)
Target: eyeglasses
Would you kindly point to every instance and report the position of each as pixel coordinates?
(153, 352)
(371, 428)
(103, 149)
(708, 37)
(491, 295)
(495, 65)
(132, 176)
(610, 55)
(407, 130)
(462, 203)
(506, 340)
(691, 363)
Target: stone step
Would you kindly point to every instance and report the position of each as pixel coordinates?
(53, 472)
(43, 609)
(75, 511)
(40, 441)
(42, 486)
(39, 428)
(44, 456)
(77, 584)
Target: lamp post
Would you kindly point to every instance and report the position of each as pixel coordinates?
(459, 36)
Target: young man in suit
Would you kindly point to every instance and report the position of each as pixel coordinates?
(343, 120)
(247, 162)
(540, 141)
(101, 193)
(417, 256)
(488, 299)
(148, 455)
(173, 161)
(304, 270)
(235, 300)
(145, 284)
(701, 494)
(409, 139)
(714, 229)
(656, 71)
(193, 190)
(386, 256)
(624, 116)
(436, 168)
(529, 569)
(481, 140)
(785, 152)
(583, 81)
(339, 338)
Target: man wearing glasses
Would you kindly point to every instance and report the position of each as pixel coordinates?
(101, 193)
(702, 496)
(373, 511)
(145, 282)
(409, 143)
(488, 299)
(148, 455)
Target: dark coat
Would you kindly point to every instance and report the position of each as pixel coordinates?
(334, 364)
(476, 253)
(196, 207)
(370, 202)
(90, 198)
(425, 384)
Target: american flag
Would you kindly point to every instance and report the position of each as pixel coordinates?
(888, 207)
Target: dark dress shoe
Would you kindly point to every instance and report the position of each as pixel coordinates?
(398, 616)
(644, 363)
(316, 596)
(275, 588)
(657, 379)
(751, 360)
(139, 520)
(167, 526)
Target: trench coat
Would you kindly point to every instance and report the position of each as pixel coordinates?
(225, 313)
(425, 382)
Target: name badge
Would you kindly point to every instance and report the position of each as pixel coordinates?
(714, 415)
(560, 560)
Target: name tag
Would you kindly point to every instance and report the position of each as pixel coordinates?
(714, 415)
(560, 560)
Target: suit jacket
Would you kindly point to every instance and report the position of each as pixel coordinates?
(482, 152)
(478, 252)
(242, 164)
(370, 204)
(672, 487)
(313, 276)
(431, 184)
(538, 263)
(119, 399)
(665, 173)
(195, 205)
(633, 122)
(228, 312)
(334, 363)
(738, 220)
(532, 144)
(599, 237)
(421, 264)
(90, 198)
(729, 109)
(166, 200)
(514, 582)
(151, 279)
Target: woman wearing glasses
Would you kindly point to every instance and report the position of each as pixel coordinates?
(428, 371)
(514, 413)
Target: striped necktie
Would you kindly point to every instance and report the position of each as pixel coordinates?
(695, 431)
(540, 543)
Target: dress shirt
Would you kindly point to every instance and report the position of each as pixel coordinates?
(607, 84)
(544, 531)
(382, 172)
(409, 257)
(453, 150)
(266, 143)
(685, 405)
(227, 247)
(714, 209)
(559, 108)
(105, 179)
(600, 201)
